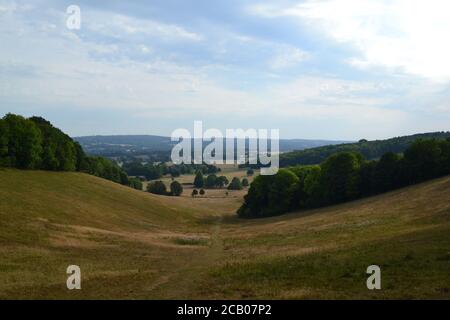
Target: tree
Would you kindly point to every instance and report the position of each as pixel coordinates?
(157, 187)
(367, 177)
(270, 195)
(202, 192)
(199, 180)
(386, 173)
(176, 189)
(250, 172)
(245, 182)
(421, 161)
(135, 183)
(211, 181)
(59, 151)
(235, 184)
(4, 159)
(222, 181)
(194, 193)
(24, 142)
(340, 177)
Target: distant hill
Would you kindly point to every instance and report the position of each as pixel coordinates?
(369, 149)
(143, 144)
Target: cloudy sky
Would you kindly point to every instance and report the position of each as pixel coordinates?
(334, 69)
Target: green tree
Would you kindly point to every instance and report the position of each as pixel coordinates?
(421, 161)
(211, 181)
(235, 184)
(59, 151)
(199, 180)
(157, 187)
(24, 142)
(194, 193)
(386, 173)
(245, 182)
(250, 172)
(222, 181)
(340, 177)
(135, 183)
(176, 189)
(4, 159)
(270, 195)
(202, 192)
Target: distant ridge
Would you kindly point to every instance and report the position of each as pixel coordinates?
(108, 144)
(369, 149)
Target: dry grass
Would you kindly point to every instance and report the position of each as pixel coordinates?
(131, 244)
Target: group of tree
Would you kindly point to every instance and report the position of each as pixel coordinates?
(34, 143)
(213, 181)
(345, 176)
(153, 171)
(159, 187)
(196, 192)
(369, 149)
(235, 184)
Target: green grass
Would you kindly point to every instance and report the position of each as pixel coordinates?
(131, 244)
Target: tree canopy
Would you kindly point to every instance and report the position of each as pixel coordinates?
(345, 176)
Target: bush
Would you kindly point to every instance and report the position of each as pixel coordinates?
(235, 184)
(135, 183)
(176, 189)
(199, 181)
(211, 181)
(245, 182)
(194, 193)
(202, 192)
(157, 187)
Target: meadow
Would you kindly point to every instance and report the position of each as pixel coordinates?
(132, 244)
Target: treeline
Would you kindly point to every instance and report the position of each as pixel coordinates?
(369, 149)
(213, 181)
(156, 171)
(34, 143)
(345, 176)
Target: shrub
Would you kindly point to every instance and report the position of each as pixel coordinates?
(235, 184)
(176, 189)
(157, 187)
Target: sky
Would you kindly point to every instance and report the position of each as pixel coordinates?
(319, 69)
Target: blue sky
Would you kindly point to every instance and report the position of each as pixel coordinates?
(334, 69)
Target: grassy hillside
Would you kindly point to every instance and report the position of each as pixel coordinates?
(131, 244)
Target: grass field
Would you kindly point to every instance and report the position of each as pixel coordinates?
(132, 244)
(229, 171)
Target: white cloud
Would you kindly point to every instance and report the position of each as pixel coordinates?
(287, 57)
(406, 35)
(119, 25)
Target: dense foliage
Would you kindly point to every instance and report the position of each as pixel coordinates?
(235, 184)
(176, 189)
(345, 176)
(157, 187)
(35, 143)
(212, 181)
(155, 171)
(199, 181)
(369, 149)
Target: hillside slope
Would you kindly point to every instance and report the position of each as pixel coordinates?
(369, 149)
(131, 244)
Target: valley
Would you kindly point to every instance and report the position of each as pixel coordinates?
(132, 244)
